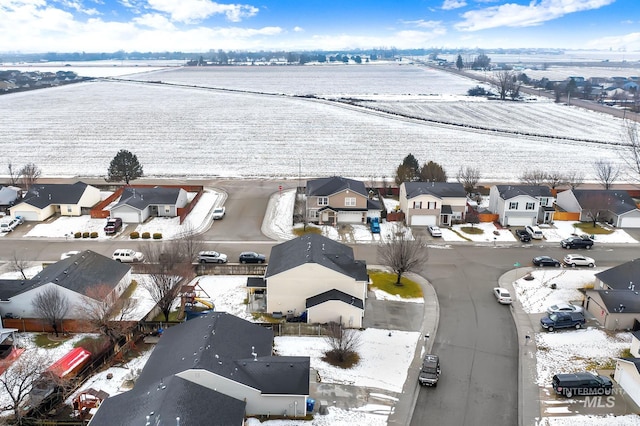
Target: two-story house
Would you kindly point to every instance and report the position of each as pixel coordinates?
(336, 200)
(433, 203)
(614, 206)
(521, 205)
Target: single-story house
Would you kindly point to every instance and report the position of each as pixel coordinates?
(212, 370)
(335, 200)
(44, 201)
(627, 375)
(613, 206)
(614, 309)
(8, 197)
(138, 204)
(521, 205)
(74, 277)
(433, 203)
(317, 275)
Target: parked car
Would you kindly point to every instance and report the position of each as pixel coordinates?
(375, 225)
(435, 231)
(218, 213)
(563, 320)
(127, 256)
(9, 225)
(252, 257)
(534, 231)
(577, 242)
(212, 257)
(564, 307)
(574, 260)
(546, 261)
(502, 295)
(522, 235)
(583, 383)
(430, 371)
(114, 224)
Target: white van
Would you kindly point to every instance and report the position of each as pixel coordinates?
(534, 231)
(127, 256)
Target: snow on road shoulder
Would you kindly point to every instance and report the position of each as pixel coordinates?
(385, 357)
(628, 420)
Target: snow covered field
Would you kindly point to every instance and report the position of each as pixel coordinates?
(198, 132)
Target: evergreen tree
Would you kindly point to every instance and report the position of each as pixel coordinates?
(124, 167)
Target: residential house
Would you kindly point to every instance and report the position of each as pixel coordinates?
(8, 197)
(44, 201)
(138, 204)
(74, 278)
(336, 200)
(613, 206)
(319, 276)
(627, 375)
(521, 205)
(212, 370)
(433, 203)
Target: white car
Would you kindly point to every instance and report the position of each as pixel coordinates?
(574, 260)
(218, 213)
(127, 256)
(502, 295)
(564, 307)
(435, 231)
(9, 225)
(212, 257)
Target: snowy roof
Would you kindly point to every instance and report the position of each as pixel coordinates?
(42, 196)
(509, 191)
(314, 248)
(332, 185)
(334, 295)
(7, 196)
(621, 277)
(141, 198)
(438, 189)
(78, 273)
(168, 399)
(616, 200)
(620, 301)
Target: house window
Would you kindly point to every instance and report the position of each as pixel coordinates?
(530, 206)
(313, 214)
(69, 209)
(350, 202)
(432, 205)
(417, 204)
(323, 201)
(544, 201)
(167, 209)
(513, 206)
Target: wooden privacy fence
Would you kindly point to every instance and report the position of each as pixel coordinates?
(573, 216)
(36, 325)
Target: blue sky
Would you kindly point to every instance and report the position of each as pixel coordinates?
(201, 25)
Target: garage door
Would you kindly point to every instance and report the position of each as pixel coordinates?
(423, 220)
(350, 217)
(28, 216)
(629, 385)
(127, 217)
(630, 222)
(518, 221)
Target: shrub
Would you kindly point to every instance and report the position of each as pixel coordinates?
(157, 236)
(134, 235)
(77, 234)
(146, 235)
(94, 235)
(85, 234)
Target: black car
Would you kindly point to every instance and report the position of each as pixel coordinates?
(430, 371)
(546, 261)
(522, 235)
(252, 257)
(582, 241)
(581, 384)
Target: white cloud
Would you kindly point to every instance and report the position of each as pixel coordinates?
(154, 20)
(421, 23)
(453, 4)
(630, 42)
(516, 15)
(189, 11)
(298, 29)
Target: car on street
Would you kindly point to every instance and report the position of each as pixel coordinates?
(582, 241)
(574, 260)
(251, 257)
(546, 261)
(522, 235)
(563, 320)
(430, 371)
(127, 256)
(435, 231)
(564, 307)
(502, 295)
(211, 257)
(218, 213)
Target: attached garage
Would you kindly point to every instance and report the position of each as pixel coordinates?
(518, 221)
(350, 217)
(423, 220)
(631, 220)
(628, 377)
(28, 215)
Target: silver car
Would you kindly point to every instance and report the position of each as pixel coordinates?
(574, 260)
(564, 307)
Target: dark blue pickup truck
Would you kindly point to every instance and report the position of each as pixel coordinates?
(563, 320)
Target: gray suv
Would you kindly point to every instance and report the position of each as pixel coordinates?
(430, 371)
(212, 257)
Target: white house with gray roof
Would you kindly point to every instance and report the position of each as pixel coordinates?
(44, 201)
(433, 203)
(613, 206)
(521, 205)
(336, 200)
(138, 204)
(317, 275)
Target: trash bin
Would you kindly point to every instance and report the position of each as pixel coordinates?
(310, 404)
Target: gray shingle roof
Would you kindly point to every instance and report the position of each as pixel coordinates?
(77, 273)
(623, 276)
(437, 189)
(314, 248)
(334, 295)
(8, 196)
(141, 198)
(509, 191)
(332, 185)
(620, 301)
(42, 196)
(616, 200)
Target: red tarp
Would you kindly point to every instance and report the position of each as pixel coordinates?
(69, 364)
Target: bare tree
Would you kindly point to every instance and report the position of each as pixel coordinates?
(190, 242)
(472, 217)
(109, 315)
(402, 254)
(506, 83)
(343, 343)
(30, 173)
(574, 179)
(606, 172)
(631, 150)
(19, 264)
(533, 177)
(167, 268)
(554, 179)
(14, 175)
(51, 305)
(468, 177)
(18, 380)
